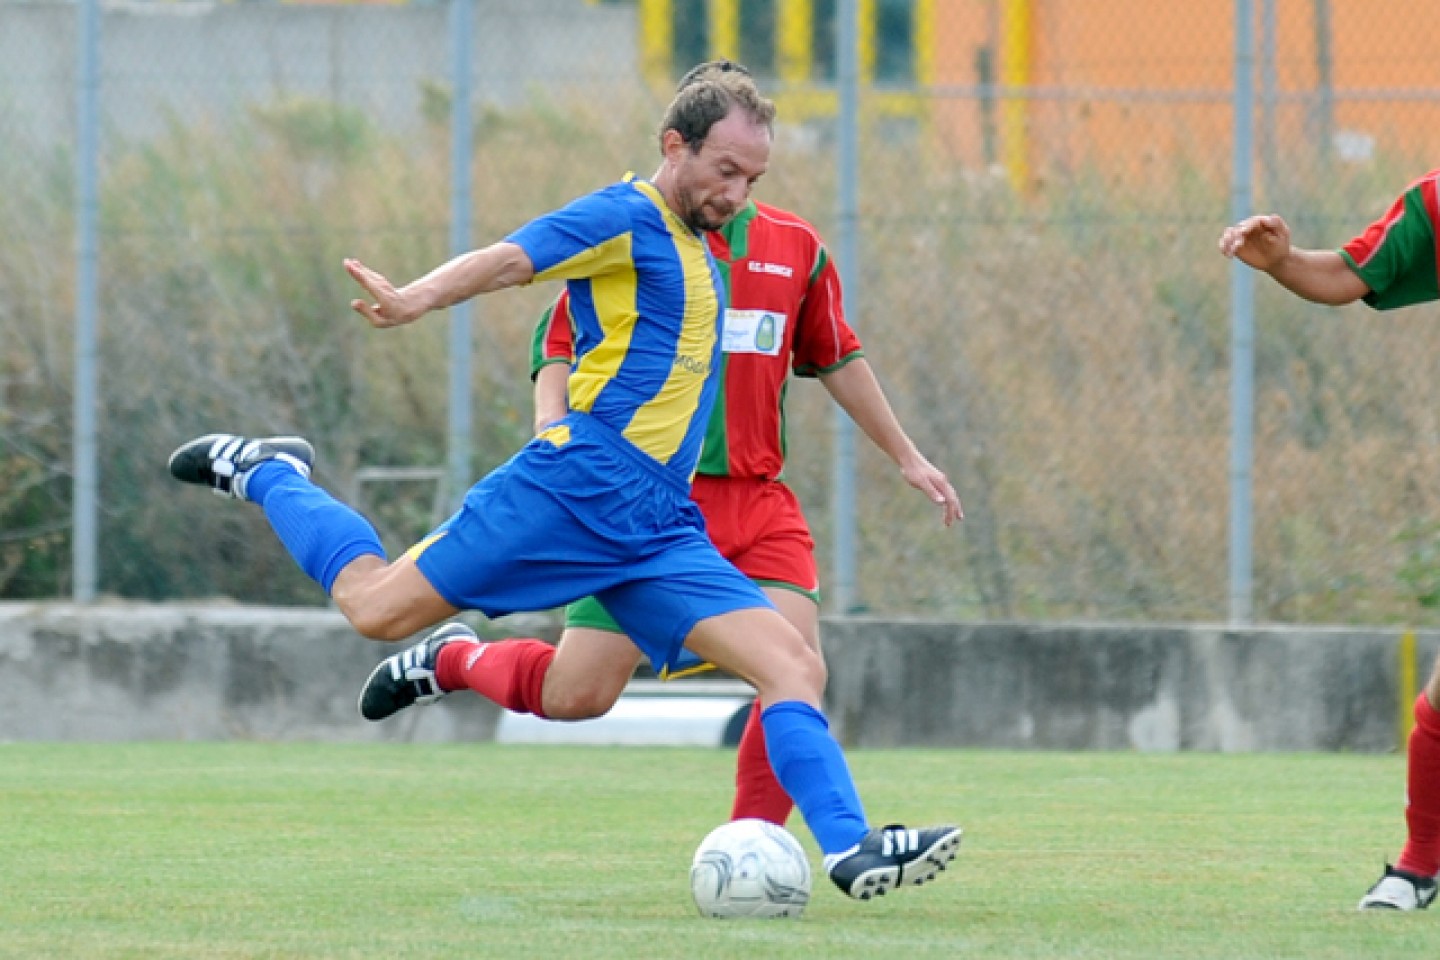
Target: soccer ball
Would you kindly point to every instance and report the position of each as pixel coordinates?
(750, 868)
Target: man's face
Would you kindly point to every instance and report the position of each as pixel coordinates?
(713, 184)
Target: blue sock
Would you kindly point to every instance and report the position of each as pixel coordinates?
(809, 765)
(321, 533)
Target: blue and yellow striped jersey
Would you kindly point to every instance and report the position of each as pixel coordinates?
(646, 298)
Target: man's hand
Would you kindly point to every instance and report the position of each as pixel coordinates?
(931, 481)
(391, 307)
(1261, 242)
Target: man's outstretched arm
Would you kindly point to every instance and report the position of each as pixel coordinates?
(495, 267)
(1322, 276)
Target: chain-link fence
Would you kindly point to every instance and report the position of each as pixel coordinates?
(1040, 183)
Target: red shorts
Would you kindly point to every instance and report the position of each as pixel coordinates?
(758, 526)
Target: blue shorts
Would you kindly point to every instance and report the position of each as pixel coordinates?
(581, 511)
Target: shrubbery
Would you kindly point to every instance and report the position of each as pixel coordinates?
(1065, 356)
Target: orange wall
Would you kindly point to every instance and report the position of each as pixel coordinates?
(1159, 75)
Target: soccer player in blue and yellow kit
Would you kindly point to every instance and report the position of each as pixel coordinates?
(784, 318)
(599, 502)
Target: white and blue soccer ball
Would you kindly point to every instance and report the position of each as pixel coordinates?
(750, 868)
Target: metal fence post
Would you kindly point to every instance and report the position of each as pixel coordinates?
(87, 247)
(458, 444)
(1242, 328)
(843, 507)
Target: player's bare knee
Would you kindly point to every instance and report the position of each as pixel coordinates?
(793, 673)
(821, 672)
(812, 671)
(580, 704)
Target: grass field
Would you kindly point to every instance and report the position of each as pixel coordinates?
(310, 850)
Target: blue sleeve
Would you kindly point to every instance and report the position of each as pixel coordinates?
(586, 238)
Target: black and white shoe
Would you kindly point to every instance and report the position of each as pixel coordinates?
(222, 461)
(893, 856)
(1399, 890)
(408, 678)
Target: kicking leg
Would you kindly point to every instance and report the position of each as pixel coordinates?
(331, 542)
(760, 646)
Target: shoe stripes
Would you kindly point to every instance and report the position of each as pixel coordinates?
(891, 857)
(416, 666)
(408, 678)
(223, 461)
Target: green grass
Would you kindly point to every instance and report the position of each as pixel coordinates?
(260, 850)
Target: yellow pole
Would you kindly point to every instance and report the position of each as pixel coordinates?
(867, 42)
(922, 36)
(923, 31)
(794, 21)
(1406, 683)
(657, 39)
(724, 29)
(1016, 51)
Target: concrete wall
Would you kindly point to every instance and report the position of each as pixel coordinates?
(215, 672)
(1142, 687)
(199, 673)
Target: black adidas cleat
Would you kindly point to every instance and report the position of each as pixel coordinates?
(222, 461)
(1400, 890)
(408, 678)
(894, 856)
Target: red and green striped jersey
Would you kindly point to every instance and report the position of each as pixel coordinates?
(785, 315)
(1397, 256)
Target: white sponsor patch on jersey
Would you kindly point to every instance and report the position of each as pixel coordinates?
(754, 331)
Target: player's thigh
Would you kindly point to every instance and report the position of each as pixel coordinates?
(589, 672)
(760, 646)
(388, 601)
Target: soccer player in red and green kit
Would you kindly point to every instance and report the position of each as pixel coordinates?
(1391, 264)
(784, 316)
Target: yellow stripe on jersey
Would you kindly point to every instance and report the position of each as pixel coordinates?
(414, 552)
(617, 312)
(557, 436)
(645, 300)
(595, 261)
(661, 425)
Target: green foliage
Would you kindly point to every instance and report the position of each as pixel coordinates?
(1420, 571)
(1065, 356)
(316, 129)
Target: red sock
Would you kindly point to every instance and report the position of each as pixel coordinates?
(757, 792)
(1422, 808)
(509, 672)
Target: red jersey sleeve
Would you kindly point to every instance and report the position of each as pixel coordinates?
(823, 340)
(1397, 255)
(554, 340)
